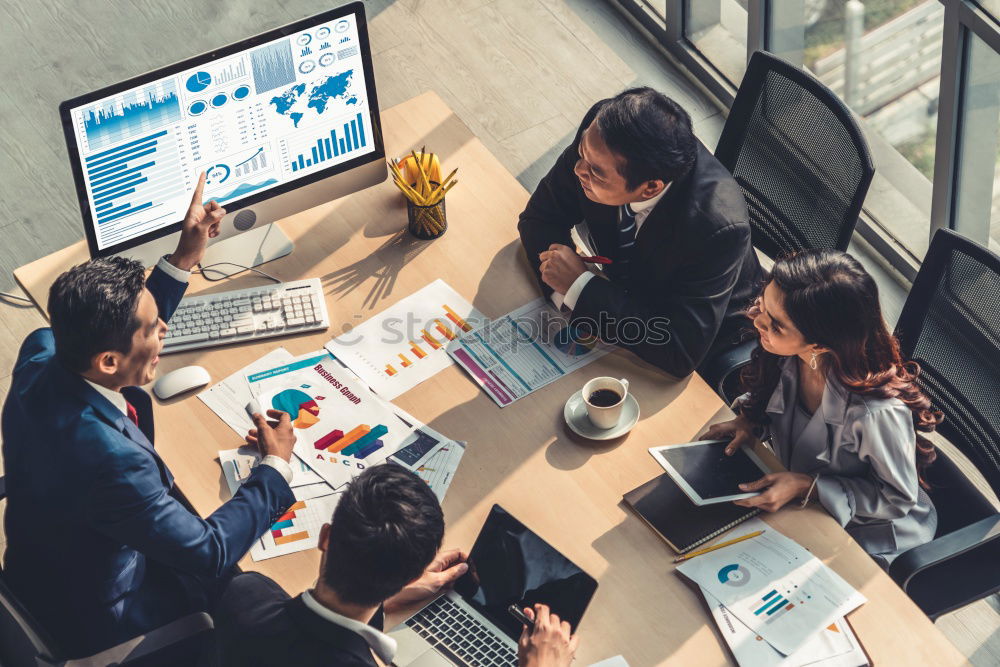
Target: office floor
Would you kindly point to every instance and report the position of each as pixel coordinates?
(520, 73)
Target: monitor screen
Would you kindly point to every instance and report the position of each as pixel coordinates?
(260, 117)
(509, 564)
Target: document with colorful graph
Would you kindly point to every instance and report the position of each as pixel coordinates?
(405, 344)
(773, 586)
(341, 426)
(432, 457)
(298, 528)
(524, 350)
(836, 645)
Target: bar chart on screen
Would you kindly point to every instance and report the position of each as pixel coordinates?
(331, 145)
(405, 344)
(136, 176)
(298, 528)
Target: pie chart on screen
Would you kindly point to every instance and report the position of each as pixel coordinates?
(198, 82)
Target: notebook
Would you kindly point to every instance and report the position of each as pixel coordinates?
(682, 524)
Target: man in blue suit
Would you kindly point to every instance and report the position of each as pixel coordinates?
(99, 545)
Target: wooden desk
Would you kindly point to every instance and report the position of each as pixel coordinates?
(522, 456)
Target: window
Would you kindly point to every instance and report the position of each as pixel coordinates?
(718, 29)
(883, 59)
(978, 197)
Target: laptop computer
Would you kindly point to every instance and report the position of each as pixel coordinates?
(470, 624)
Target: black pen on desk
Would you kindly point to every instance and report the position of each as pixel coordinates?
(517, 613)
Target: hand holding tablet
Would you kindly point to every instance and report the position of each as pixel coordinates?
(707, 474)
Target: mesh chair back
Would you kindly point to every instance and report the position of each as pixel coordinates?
(950, 325)
(22, 641)
(799, 156)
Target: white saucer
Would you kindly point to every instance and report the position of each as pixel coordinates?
(575, 413)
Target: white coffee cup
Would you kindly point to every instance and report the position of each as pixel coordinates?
(605, 416)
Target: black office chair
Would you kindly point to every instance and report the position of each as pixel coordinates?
(950, 325)
(23, 643)
(803, 165)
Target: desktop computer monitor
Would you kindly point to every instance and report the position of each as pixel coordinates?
(281, 122)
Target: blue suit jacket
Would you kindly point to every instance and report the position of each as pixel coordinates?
(99, 547)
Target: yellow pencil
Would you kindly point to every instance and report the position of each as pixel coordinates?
(718, 546)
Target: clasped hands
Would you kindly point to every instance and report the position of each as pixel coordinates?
(779, 488)
(560, 267)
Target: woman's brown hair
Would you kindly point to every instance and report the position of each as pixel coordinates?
(834, 303)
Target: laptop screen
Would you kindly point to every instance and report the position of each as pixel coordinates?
(509, 564)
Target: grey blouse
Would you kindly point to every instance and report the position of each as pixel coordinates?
(863, 450)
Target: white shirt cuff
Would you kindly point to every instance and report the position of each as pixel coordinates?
(279, 464)
(557, 299)
(180, 275)
(574, 291)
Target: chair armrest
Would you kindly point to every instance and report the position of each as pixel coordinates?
(715, 371)
(179, 642)
(943, 548)
(952, 570)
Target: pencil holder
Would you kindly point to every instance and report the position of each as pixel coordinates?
(426, 222)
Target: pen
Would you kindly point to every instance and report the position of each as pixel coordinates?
(596, 259)
(718, 546)
(516, 612)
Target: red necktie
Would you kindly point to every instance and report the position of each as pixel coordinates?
(132, 414)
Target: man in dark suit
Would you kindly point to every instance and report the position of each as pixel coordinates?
(99, 546)
(669, 216)
(380, 554)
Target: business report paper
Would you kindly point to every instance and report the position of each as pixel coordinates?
(405, 344)
(774, 586)
(523, 351)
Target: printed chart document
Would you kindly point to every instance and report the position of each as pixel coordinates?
(522, 351)
(298, 528)
(833, 646)
(774, 586)
(228, 399)
(432, 457)
(341, 427)
(237, 464)
(404, 345)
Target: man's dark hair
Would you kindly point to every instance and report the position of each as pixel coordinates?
(92, 309)
(651, 132)
(386, 530)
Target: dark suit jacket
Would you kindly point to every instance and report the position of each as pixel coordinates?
(95, 531)
(692, 262)
(257, 624)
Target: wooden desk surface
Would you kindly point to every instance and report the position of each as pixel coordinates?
(522, 456)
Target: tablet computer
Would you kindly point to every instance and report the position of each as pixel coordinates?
(704, 472)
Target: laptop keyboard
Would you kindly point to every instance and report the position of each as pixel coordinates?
(460, 637)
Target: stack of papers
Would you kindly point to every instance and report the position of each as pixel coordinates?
(833, 646)
(774, 587)
(341, 429)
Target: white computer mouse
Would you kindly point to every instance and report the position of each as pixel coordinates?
(179, 381)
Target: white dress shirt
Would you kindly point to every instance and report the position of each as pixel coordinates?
(118, 400)
(642, 209)
(380, 643)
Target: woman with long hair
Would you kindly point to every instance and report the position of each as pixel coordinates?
(841, 409)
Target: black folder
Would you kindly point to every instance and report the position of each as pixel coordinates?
(682, 524)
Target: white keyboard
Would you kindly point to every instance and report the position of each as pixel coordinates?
(246, 315)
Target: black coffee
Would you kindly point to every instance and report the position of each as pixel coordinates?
(604, 398)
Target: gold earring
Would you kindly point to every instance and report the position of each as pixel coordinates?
(812, 362)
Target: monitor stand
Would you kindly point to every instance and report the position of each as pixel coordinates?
(241, 252)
